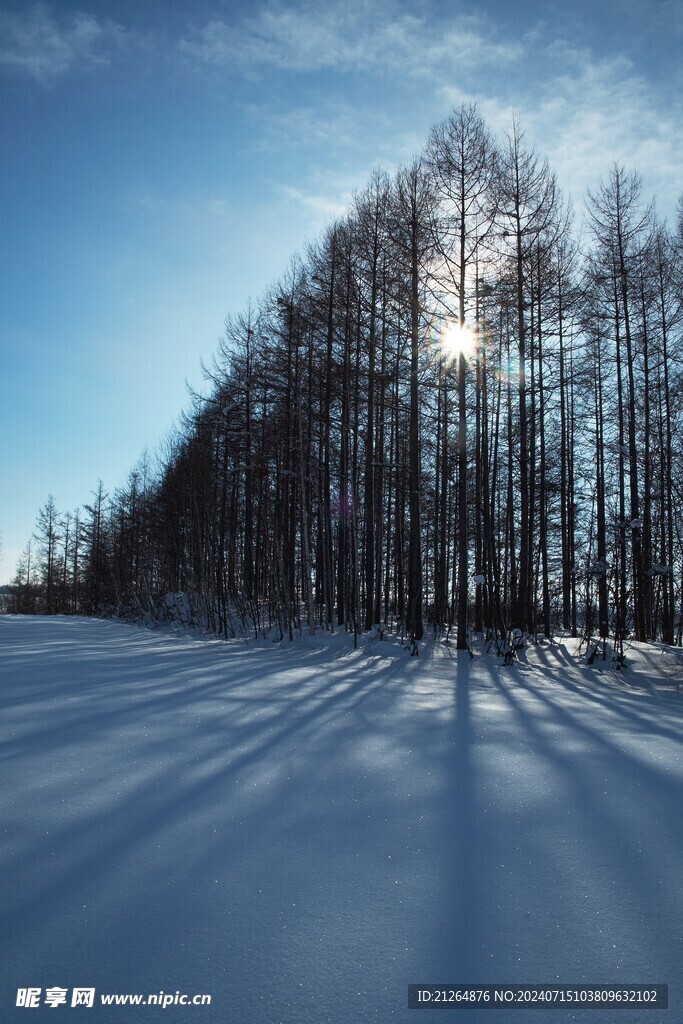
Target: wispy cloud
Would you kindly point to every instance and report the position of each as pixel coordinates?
(281, 128)
(603, 110)
(589, 112)
(328, 125)
(320, 209)
(324, 196)
(344, 37)
(38, 42)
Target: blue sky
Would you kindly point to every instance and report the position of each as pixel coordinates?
(162, 161)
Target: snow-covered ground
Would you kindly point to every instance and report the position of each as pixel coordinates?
(303, 832)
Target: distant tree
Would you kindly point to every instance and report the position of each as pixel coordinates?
(24, 583)
(47, 536)
(96, 565)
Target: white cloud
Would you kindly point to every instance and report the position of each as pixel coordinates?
(585, 113)
(345, 37)
(601, 111)
(285, 38)
(320, 209)
(325, 196)
(43, 46)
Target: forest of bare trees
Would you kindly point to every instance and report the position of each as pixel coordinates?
(455, 412)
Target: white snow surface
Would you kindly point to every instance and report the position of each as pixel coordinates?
(302, 831)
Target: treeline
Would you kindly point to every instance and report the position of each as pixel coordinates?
(448, 414)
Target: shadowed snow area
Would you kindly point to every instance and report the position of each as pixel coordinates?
(303, 832)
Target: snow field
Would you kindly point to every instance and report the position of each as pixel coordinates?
(302, 832)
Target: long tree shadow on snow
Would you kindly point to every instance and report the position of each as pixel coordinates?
(598, 825)
(192, 815)
(172, 815)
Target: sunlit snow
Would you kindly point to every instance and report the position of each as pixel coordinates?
(303, 831)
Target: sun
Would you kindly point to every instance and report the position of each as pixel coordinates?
(457, 340)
